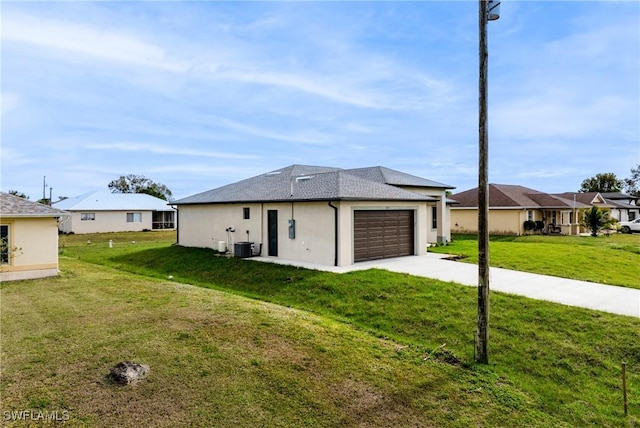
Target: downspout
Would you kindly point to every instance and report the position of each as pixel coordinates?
(262, 226)
(177, 223)
(335, 233)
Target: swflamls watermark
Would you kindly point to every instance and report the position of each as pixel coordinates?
(36, 415)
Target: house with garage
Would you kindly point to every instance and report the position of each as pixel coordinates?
(316, 214)
(29, 237)
(103, 211)
(511, 205)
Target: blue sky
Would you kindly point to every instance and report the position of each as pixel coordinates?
(201, 94)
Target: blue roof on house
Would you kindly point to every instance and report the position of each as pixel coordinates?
(107, 201)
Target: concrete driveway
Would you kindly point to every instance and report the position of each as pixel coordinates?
(607, 298)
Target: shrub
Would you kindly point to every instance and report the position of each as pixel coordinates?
(529, 226)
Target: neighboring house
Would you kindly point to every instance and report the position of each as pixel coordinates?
(322, 215)
(103, 211)
(29, 234)
(622, 207)
(511, 205)
(625, 207)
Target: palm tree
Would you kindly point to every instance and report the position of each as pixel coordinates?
(596, 219)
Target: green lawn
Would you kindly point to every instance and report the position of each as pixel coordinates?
(613, 260)
(551, 365)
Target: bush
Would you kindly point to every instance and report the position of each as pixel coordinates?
(529, 226)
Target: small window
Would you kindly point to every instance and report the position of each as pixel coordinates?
(529, 215)
(246, 213)
(4, 244)
(87, 216)
(134, 217)
(434, 217)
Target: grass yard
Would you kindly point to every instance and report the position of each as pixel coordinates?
(613, 259)
(308, 348)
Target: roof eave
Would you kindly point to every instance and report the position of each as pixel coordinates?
(51, 215)
(276, 201)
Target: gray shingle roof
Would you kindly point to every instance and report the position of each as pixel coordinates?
(106, 201)
(303, 183)
(385, 175)
(15, 206)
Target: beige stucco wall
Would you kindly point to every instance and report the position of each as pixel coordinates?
(501, 221)
(205, 225)
(36, 240)
(511, 221)
(314, 238)
(106, 221)
(442, 233)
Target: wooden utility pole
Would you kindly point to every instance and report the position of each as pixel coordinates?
(482, 340)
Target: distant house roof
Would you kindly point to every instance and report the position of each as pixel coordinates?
(514, 196)
(107, 201)
(15, 206)
(309, 183)
(587, 198)
(617, 196)
(606, 199)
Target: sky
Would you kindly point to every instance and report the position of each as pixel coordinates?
(197, 95)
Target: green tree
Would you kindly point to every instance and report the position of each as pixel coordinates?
(140, 184)
(606, 182)
(632, 183)
(596, 219)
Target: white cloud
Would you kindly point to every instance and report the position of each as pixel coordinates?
(373, 81)
(105, 43)
(14, 157)
(127, 146)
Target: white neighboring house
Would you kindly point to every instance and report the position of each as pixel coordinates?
(103, 211)
(29, 232)
(625, 207)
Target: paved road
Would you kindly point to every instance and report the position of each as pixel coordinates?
(607, 298)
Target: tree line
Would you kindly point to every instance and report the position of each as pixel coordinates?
(608, 182)
(130, 183)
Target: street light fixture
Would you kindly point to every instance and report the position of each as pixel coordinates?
(489, 11)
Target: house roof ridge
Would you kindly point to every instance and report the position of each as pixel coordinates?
(498, 188)
(395, 177)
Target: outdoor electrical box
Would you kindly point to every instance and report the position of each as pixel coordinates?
(292, 229)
